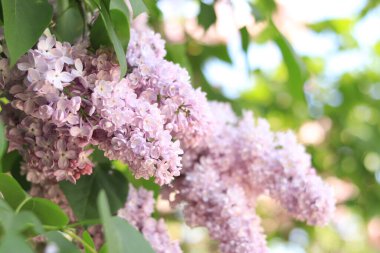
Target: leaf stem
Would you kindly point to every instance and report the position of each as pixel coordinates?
(85, 222)
(82, 9)
(50, 228)
(130, 9)
(80, 240)
(22, 204)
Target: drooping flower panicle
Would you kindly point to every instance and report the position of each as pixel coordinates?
(65, 100)
(238, 162)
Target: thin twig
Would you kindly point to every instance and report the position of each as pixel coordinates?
(80, 240)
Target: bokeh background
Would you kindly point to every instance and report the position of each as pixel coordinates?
(308, 65)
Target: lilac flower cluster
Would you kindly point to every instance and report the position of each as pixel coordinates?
(138, 211)
(65, 100)
(40, 117)
(239, 161)
(223, 208)
(186, 112)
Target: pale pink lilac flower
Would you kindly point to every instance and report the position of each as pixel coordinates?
(135, 132)
(63, 52)
(58, 77)
(185, 110)
(223, 208)
(50, 154)
(45, 45)
(280, 167)
(238, 162)
(143, 119)
(65, 100)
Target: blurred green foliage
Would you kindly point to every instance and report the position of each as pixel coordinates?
(294, 94)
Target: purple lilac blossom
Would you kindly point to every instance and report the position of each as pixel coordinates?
(66, 100)
(224, 209)
(242, 159)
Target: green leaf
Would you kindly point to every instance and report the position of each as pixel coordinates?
(130, 239)
(266, 35)
(69, 23)
(63, 5)
(26, 222)
(113, 36)
(16, 171)
(245, 38)
(6, 215)
(107, 3)
(121, 24)
(88, 239)
(368, 7)
(62, 243)
(103, 249)
(207, 15)
(141, 182)
(24, 22)
(177, 53)
(48, 212)
(297, 74)
(99, 36)
(10, 161)
(83, 195)
(339, 26)
(256, 13)
(376, 48)
(120, 235)
(105, 213)
(1, 14)
(3, 141)
(153, 10)
(11, 191)
(97, 156)
(138, 7)
(219, 51)
(14, 243)
(119, 5)
(263, 9)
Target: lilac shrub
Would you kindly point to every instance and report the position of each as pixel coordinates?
(66, 100)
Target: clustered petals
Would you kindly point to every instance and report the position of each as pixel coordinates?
(241, 160)
(66, 100)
